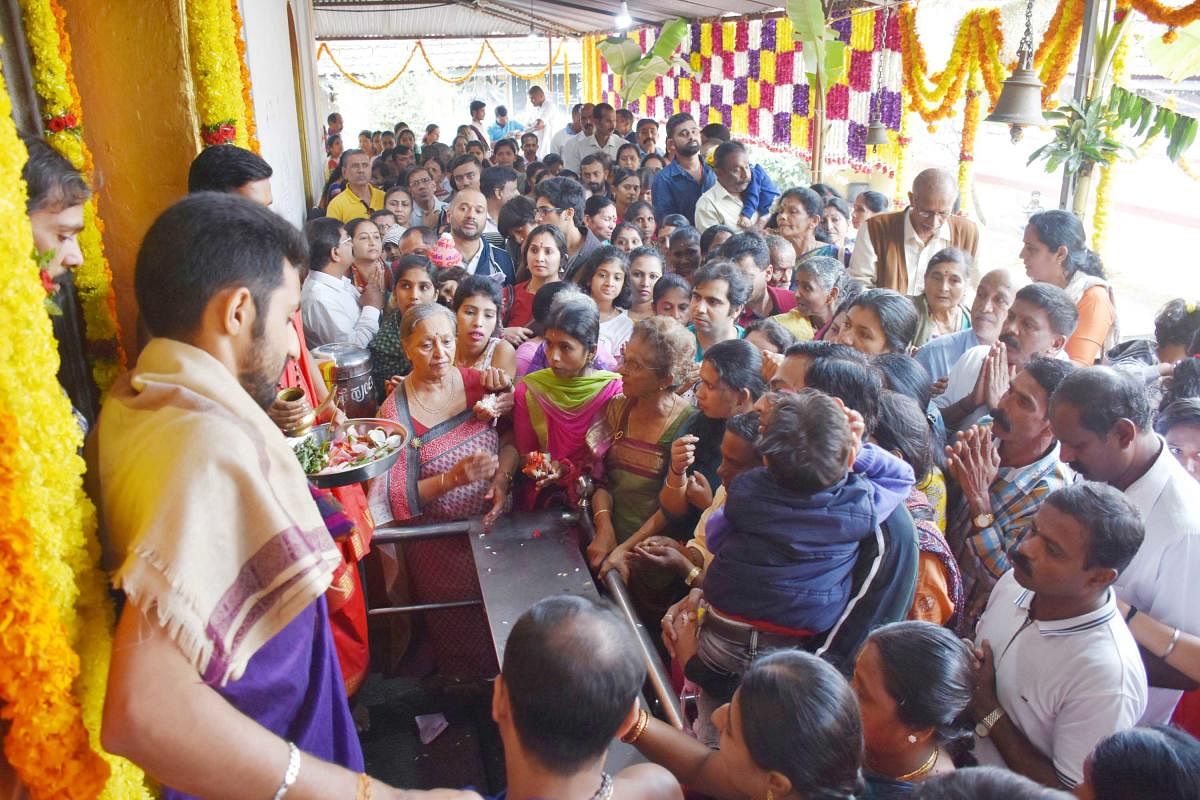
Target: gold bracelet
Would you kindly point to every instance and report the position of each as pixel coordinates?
(638, 728)
(692, 575)
(364, 787)
(670, 485)
(600, 511)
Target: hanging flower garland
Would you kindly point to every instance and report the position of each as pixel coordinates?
(239, 40)
(966, 150)
(1108, 174)
(1160, 14)
(217, 73)
(323, 50)
(47, 546)
(54, 83)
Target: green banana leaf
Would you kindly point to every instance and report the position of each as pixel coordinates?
(824, 55)
(1178, 60)
(669, 38)
(620, 53)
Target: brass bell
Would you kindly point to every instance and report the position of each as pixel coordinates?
(877, 133)
(1020, 101)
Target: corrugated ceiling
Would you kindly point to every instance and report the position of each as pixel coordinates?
(376, 19)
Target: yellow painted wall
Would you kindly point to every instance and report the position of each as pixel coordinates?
(130, 60)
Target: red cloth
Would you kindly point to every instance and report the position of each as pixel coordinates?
(520, 314)
(782, 301)
(347, 609)
(1187, 713)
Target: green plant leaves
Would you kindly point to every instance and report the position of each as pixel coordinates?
(1148, 119)
(637, 69)
(824, 54)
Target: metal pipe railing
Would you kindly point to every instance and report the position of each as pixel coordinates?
(395, 534)
(385, 610)
(655, 672)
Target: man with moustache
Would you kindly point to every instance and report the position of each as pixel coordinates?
(585, 129)
(602, 139)
(592, 174)
(989, 310)
(1004, 473)
(680, 184)
(1056, 669)
(1039, 323)
(468, 217)
(646, 136)
(359, 198)
(1102, 419)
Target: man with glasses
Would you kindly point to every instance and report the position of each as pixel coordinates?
(427, 209)
(559, 202)
(359, 198)
(896, 247)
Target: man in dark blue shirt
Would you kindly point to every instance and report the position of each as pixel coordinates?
(679, 186)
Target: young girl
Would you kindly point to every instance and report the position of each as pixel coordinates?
(672, 298)
(477, 309)
(414, 285)
(627, 190)
(605, 277)
(645, 270)
(600, 216)
(626, 237)
(544, 254)
(641, 214)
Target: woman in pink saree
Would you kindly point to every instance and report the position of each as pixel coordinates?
(455, 465)
(560, 410)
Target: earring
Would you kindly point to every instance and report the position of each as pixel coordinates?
(912, 739)
(770, 795)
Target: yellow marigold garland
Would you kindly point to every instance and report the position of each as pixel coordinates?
(244, 67)
(966, 151)
(903, 139)
(216, 72)
(1108, 174)
(46, 522)
(47, 743)
(54, 82)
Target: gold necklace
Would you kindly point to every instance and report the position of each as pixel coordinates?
(924, 769)
(417, 397)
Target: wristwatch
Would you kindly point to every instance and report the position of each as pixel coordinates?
(983, 520)
(985, 725)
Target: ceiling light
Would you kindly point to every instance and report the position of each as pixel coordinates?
(623, 20)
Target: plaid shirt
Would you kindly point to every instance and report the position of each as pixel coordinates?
(1016, 494)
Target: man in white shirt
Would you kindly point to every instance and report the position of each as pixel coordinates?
(332, 309)
(892, 250)
(722, 204)
(475, 128)
(1040, 320)
(1056, 669)
(586, 127)
(544, 118)
(1102, 418)
(569, 131)
(601, 139)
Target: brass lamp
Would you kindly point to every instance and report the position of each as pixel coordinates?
(1020, 101)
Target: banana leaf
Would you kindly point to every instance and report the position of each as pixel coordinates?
(620, 53)
(1178, 60)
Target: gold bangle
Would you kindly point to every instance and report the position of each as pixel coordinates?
(692, 575)
(670, 485)
(364, 787)
(639, 727)
(600, 511)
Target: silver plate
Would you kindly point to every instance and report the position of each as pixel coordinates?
(327, 479)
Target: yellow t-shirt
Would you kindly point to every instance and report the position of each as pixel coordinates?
(797, 323)
(347, 205)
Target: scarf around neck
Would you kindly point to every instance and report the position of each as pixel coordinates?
(209, 521)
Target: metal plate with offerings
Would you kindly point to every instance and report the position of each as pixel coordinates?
(352, 452)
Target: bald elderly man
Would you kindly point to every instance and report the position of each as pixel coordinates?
(468, 215)
(895, 248)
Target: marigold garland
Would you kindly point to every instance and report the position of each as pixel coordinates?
(1108, 174)
(239, 40)
(216, 72)
(1160, 14)
(419, 46)
(54, 82)
(966, 151)
(48, 527)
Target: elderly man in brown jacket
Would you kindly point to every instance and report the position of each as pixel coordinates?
(894, 249)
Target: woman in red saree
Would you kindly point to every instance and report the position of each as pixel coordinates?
(455, 465)
(560, 410)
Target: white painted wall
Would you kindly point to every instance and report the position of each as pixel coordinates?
(268, 54)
